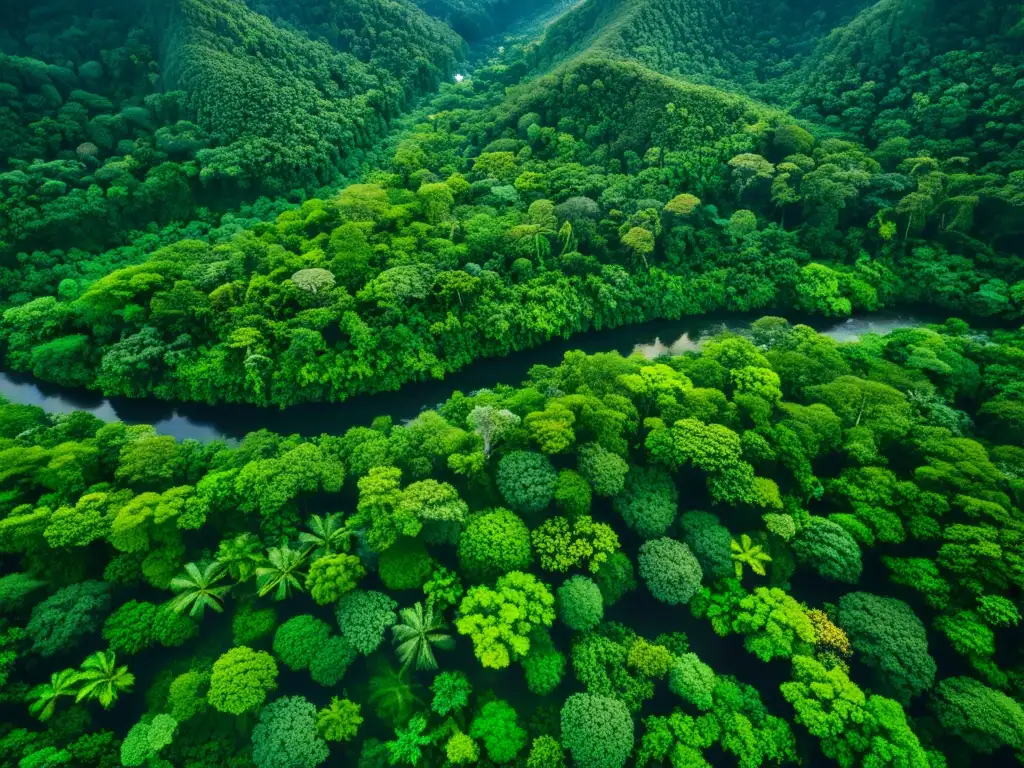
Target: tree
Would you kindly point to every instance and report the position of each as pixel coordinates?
(580, 605)
(461, 749)
(985, 718)
(494, 542)
(241, 679)
(326, 535)
(597, 731)
(331, 576)
(437, 506)
(544, 665)
(416, 634)
(44, 697)
(392, 693)
(339, 721)
(497, 728)
(615, 578)
(775, 624)
(709, 541)
(749, 168)
(693, 681)
(573, 496)
(436, 201)
(670, 570)
(240, 556)
(379, 497)
(314, 280)
(890, 638)
(286, 735)
(498, 620)
(197, 589)
(407, 747)
(746, 553)
(491, 424)
(282, 572)
(604, 470)
(641, 242)
(682, 205)
(330, 663)
(443, 589)
(563, 544)
(101, 679)
(854, 730)
(649, 501)
(15, 587)
(69, 613)
(527, 481)
(186, 695)
(451, 693)
(299, 640)
(135, 626)
(250, 624)
(146, 738)
(364, 616)
(710, 447)
(829, 549)
(405, 565)
(650, 660)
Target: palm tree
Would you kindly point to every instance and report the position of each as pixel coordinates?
(241, 556)
(393, 695)
(103, 679)
(197, 591)
(746, 552)
(566, 238)
(282, 572)
(417, 633)
(44, 696)
(328, 535)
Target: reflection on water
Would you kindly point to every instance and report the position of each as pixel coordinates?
(843, 331)
(206, 422)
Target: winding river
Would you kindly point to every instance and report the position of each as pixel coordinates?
(213, 422)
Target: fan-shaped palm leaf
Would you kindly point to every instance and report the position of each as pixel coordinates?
(327, 535)
(102, 679)
(282, 572)
(393, 695)
(197, 589)
(417, 634)
(746, 552)
(45, 695)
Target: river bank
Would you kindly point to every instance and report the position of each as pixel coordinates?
(230, 422)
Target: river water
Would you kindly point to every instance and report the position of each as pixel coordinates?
(213, 422)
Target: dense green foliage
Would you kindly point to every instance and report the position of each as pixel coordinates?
(866, 454)
(279, 202)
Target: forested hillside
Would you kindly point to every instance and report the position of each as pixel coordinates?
(125, 118)
(474, 19)
(601, 194)
(743, 43)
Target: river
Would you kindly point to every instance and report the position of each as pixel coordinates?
(213, 422)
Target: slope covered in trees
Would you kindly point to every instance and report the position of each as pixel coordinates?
(474, 19)
(118, 119)
(509, 216)
(381, 597)
(729, 42)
